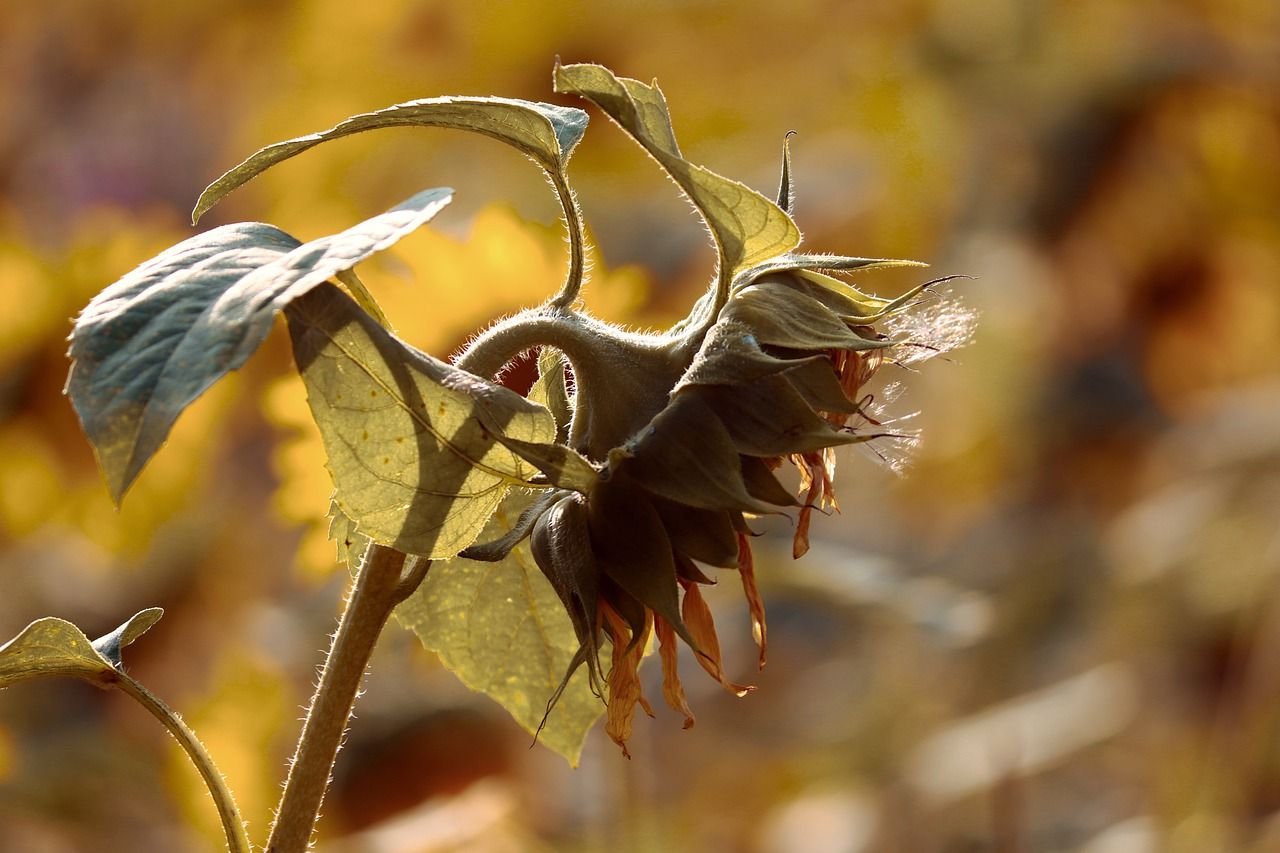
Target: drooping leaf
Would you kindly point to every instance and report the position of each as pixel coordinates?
(411, 441)
(545, 132)
(147, 346)
(52, 647)
(747, 227)
(501, 628)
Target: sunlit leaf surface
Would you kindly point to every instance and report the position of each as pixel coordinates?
(409, 439)
(501, 628)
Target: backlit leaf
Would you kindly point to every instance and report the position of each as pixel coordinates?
(545, 132)
(747, 227)
(147, 346)
(501, 628)
(410, 440)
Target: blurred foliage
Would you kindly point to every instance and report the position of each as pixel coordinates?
(1091, 516)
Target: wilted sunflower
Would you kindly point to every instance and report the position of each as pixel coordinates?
(651, 452)
(673, 439)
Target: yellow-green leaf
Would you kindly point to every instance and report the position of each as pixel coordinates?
(411, 441)
(747, 227)
(545, 132)
(501, 628)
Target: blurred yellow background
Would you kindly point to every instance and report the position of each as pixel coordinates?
(1059, 631)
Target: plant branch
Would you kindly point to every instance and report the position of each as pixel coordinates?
(232, 823)
(379, 586)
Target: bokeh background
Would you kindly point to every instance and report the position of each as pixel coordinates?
(1059, 631)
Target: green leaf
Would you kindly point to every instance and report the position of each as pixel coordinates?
(53, 647)
(747, 227)
(501, 628)
(147, 346)
(412, 443)
(545, 132)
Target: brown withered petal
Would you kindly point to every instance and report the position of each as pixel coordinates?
(747, 569)
(625, 691)
(698, 617)
(672, 689)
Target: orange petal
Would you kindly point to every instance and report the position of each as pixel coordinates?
(816, 486)
(746, 568)
(697, 618)
(624, 677)
(672, 690)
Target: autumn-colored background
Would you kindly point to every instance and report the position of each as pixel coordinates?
(1058, 632)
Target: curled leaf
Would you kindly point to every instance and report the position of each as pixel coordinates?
(545, 132)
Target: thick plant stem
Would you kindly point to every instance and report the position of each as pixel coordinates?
(378, 588)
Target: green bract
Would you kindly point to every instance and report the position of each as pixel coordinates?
(560, 520)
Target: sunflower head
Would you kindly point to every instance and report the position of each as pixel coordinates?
(676, 440)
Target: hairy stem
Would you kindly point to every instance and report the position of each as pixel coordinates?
(378, 588)
(573, 222)
(232, 823)
(504, 341)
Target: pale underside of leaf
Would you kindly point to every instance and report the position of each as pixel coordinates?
(147, 346)
(545, 132)
(746, 227)
(501, 628)
(411, 441)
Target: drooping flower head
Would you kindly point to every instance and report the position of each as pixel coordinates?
(675, 437)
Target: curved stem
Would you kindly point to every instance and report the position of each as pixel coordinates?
(573, 222)
(379, 587)
(232, 823)
(504, 341)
